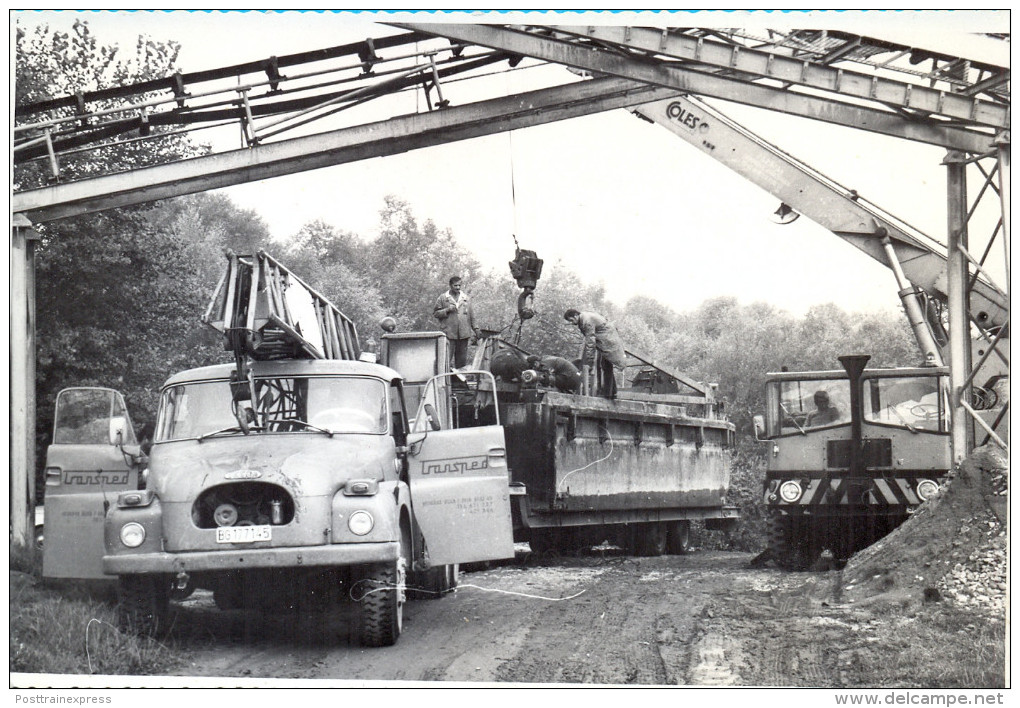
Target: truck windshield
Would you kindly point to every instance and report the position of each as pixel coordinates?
(911, 402)
(85, 416)
(338, 404)
(796, 406)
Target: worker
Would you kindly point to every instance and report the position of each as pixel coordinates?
(599, 336)
(560, 373)
(824, 413)
(507, 365)
(453, 310)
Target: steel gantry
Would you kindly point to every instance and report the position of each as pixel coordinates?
(428, 85)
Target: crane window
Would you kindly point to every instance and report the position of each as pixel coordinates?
(912, 402)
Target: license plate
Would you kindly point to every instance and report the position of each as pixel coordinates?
(244, 534)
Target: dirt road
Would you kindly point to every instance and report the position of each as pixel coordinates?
(705, 618)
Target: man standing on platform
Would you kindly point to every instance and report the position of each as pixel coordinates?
(453, 310)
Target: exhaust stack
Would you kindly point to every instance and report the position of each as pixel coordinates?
(854, 365)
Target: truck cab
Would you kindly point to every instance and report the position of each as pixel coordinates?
(853, 454)
(307, 470)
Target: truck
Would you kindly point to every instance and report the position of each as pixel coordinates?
(853, 453)
(309, 472)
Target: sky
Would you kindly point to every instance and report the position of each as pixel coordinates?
(617, 200)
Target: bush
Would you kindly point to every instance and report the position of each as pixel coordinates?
(747, 473)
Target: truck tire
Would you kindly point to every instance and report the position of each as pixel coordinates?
(544, 541)
(652, 538)
(144, 604)
(382, 604)
(678, 538)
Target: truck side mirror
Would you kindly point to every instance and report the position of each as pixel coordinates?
(759, 427)
(433, 419)
(118, 428)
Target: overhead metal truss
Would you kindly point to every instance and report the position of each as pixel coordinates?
(283, 157)
(796, 73)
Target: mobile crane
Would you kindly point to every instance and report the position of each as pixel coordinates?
(841, 481)
(294, 467)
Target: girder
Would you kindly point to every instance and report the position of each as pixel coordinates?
(332, 148)
(655, 57)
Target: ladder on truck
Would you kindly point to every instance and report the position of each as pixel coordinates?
(265, 312)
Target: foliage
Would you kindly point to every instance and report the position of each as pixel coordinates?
(410, 263)
(335, 263)
(57, 64)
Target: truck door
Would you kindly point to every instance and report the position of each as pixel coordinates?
(93, 457)
(457, 471)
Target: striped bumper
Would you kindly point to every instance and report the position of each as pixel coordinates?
(847, 491)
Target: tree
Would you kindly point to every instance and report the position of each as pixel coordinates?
(335, 263)
(410, 264)
(120, 293)
(56, 64)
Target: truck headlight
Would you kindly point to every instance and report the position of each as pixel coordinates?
(360, 523)
(132, 534)
(926, 489)
(790, 491)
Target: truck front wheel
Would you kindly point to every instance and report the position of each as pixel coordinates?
(383, 588)
(144, 604)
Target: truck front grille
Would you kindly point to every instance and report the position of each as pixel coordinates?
(243, 504)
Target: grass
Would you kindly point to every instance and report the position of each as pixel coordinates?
(71, 630)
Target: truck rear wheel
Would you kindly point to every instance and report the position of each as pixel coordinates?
(144, 604)
(678, 538)
(545, 541)
(384, 591)
(652, 538)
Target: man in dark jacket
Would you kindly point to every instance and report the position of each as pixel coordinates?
(457, 319)
(600, 336)
(560, 373)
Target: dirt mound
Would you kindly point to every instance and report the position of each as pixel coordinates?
(953, 548)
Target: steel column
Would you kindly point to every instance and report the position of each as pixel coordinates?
(1003, 145)
(22, 349)
(962, 434)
